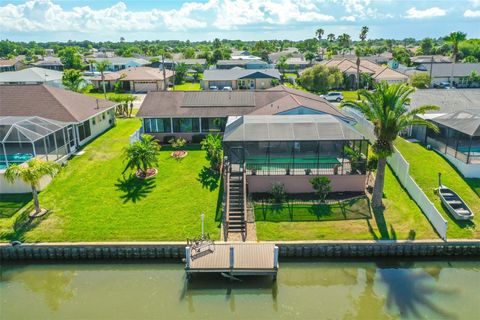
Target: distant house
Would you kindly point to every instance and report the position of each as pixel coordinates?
(295, 64)
(10, 65)
(32, 75)
(291, 52)
(243, 63)
(377, 72)
(170, 64)
(427, 59)
(459, 122)
(239, 79)
(446, 72)
(51, 63)
(139, 79)
(117, 63)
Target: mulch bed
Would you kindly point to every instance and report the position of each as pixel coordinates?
(151, 172)
(179, 154)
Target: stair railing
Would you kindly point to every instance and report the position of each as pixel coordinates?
(227, 201)
(245, 198)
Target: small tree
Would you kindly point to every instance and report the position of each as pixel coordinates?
(278, 192)
(420, 80)
(73, 80)
(142, 155)
(322, 187)
(31, 174)
(212, 144)
(102, 66)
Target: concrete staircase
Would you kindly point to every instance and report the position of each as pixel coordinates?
(236, 214)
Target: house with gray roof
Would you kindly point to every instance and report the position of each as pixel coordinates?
(276, 135)
(458, 119)
(117, 63)
(239, 79)
(52, 63)
(456, 72)
(33, 75)
(243, 63)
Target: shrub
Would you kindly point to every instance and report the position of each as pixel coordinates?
(278, 192)
(320, 78)
(322, 187)
(177, 143)
(212, 144)
(420, 80)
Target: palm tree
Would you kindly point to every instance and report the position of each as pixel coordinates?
(363, 33)
(212, 144)
(319, 34)
(358, 54)
(344, 40)
(101, 67)
(282, 65)
(330, 37)
(31, 173)
(454, 39)
(385, 108)
(142, 155)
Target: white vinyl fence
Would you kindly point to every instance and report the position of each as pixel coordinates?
(402, 170)
(134, 137)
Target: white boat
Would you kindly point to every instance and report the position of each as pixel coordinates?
(452, 201)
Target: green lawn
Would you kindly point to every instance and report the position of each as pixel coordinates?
(402, 219)
(349, 95)
(100, 95)
(291, 75)
(90, 200)
(188, 86)
(424, 167)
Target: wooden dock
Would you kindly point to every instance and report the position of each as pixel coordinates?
(233, 259)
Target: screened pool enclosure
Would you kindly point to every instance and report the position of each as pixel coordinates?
(295, 145)
(23, 138)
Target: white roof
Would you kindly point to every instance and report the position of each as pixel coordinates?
(31, 75)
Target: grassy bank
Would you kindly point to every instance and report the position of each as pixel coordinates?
(424, 167)
(91, 200)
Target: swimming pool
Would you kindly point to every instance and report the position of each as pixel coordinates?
(14, 158)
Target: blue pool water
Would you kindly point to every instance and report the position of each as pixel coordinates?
(14, 158)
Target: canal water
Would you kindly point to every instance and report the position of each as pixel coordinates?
(304, 290)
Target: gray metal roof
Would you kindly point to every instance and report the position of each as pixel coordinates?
(289, 128)
(444, 70)
(240, 62)
(220, 98)
(448, 100)
(234, 74)
(33, 74)
(466, 121)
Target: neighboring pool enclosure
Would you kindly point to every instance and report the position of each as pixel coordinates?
(294, 145)
(23, 138)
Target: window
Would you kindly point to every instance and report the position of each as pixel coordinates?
(93, 121)
(186, 125)
(157, 125)
(103, 115)
(84, 130)
(213, 124)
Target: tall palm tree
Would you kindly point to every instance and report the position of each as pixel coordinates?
(386, 109)
(319, 34)
(330, 37)
(358, 54)
(31, 173)
(344, 40)
(142, 155)
(101, 67)
(454, 39)
(363, 33)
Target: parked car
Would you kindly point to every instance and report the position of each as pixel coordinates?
(333, 96)
(442, 85)
(227, 88)
(213, 88)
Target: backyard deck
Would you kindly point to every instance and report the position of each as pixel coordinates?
(234, 259)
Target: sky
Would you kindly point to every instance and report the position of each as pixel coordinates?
(196, 20)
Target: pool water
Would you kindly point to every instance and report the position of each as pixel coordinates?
(17, 158)
(370, 290)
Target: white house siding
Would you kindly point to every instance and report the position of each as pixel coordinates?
(100, 125)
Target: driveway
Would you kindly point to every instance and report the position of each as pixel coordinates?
(139, 100)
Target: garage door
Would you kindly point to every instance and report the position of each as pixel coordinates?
(145, 86)
(220, 84)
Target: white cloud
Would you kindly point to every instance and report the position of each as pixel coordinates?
(47, 15)
(231, 14)
(475, 3)
(348, 18)
(472, 13)
(414, 13)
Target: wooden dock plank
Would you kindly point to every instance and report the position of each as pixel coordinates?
(247, 256)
